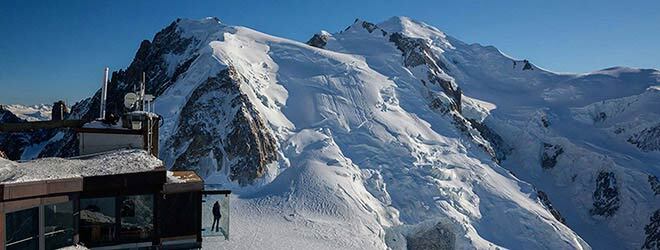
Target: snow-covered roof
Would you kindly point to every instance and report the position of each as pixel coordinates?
(115, 162)
(145, 113)
(103, 125)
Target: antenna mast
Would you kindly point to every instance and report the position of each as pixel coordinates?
(142, 87)
(104, 93)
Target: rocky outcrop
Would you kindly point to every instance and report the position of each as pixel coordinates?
(220, 128)
(655, 184)
(416, 52)
(319, 40)
(440, 237)
(527, 66)
(550, 154)
(545, 122)
(606, 196)
(368, 26)
(647, 140)
(543, 197)
(499, 147)
(652, 231)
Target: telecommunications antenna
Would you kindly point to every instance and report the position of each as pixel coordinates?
(130, 99)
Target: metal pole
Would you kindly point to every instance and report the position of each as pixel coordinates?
(104, 93)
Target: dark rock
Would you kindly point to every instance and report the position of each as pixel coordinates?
(220, 121)
(318, 40)
(415, 52)
(500, 148)
(464, 125)
(648, 140)
(652, 230)
(655, 184)
(600, 117)
(550, 154)
(606, 195)
(527, 66)
(543, 197)
(440, 237)
(545, 122)
(369, 26)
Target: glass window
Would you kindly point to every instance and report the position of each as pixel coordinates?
(215, 215)
(58, 225)
(137, 217)
(97, 220)
(22, 229)
(180, 213)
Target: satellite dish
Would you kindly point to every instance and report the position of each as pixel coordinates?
(130, 99)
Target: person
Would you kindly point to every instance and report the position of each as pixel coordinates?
(216, 217)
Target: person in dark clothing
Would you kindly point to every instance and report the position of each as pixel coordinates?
(216, 217)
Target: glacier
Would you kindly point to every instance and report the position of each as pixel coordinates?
(397, 135)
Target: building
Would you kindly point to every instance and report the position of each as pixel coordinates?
(115, 195)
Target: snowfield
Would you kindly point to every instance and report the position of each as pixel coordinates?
(39, 112)
(364, 162)
(398, 136)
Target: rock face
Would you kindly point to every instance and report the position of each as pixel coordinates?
(546, 201)
(527, 66)
(220, 124)
(437, 238)
(606, 195)
(652, 240)
(498, 145)
(647, 140)
(655, 184)
(417, 52)
(319, 40)
(550, 154)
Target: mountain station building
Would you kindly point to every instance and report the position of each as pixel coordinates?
(116, 195)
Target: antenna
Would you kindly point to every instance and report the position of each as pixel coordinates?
(142, 87)
(104, 93)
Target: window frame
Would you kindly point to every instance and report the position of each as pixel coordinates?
(118, 240)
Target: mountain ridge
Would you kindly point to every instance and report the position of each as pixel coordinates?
(409, 135)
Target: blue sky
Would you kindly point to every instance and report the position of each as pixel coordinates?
(52, 50)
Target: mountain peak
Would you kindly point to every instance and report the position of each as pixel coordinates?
(410, 27)
(204, 25)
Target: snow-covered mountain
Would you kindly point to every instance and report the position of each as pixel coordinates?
(398, 135)
(38, 112)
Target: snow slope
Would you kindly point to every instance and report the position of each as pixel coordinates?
(396, 135)
(593, 119)
(364, 159)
